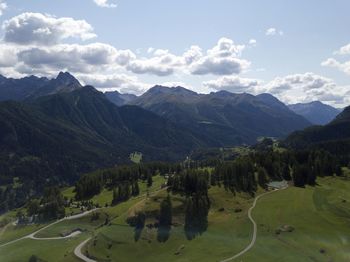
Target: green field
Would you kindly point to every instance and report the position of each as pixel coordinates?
(117, 241)
(320, 217)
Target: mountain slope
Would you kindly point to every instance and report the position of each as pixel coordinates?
(334, 137)
(120, 99)
(316, 112)
(80, 131)
(223, 118)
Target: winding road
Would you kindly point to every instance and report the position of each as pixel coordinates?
(32, 235)
(77, 250)
(252, 242)
(79, 254)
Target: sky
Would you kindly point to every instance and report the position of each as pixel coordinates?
(297, 50)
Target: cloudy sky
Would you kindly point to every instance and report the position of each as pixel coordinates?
(295, 49)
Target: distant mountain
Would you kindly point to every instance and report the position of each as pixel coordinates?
(120, 99)
(334, 137)
(223, 118)
(32, 87)
(316, 112)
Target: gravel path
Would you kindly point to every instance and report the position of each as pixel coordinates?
(252, 242)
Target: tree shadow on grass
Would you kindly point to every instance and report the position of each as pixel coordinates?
(163, 233)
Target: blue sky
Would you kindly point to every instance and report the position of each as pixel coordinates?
(298, 61)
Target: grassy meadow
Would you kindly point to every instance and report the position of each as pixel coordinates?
(319, 219)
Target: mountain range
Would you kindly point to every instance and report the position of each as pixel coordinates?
(29, 88)
(81, 131)
(222, 118)
(56, 124)
(316, 112)
(53, 130)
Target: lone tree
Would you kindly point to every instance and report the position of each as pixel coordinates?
(149, 180)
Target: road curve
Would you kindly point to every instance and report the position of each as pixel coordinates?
(32, 235)
(252, 242)
(79, 254)
(77, 250)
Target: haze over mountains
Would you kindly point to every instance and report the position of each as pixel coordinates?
(333, 137)
(316, 112)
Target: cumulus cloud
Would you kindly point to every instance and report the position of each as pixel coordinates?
(104, 3)
(43, 29)
(121, 82)
(72, 57)
(306, 88)
(41, 44)
(162, 63)
(344, 50)
(273, 31)
(222, 59)
(342, 66)
(305, 82)
(331, 62)
(233, 84)
(3, 6)
(8, 55)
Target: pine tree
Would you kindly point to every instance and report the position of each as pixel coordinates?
(115, 197)
(149, 180)
(262, 177)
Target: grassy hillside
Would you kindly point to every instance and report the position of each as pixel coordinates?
(320, 216)
(317, 216)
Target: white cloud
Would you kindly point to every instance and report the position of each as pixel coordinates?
(273, 31)
(150, 50)
(342, 66)
(252, 42)
(71, 57)
(43, 29)
(3, 7)
(176, 84)
(159, 66)
(36, 43)
(222, 59)
(104, 3)
(121, 82)
(344, 50)
(305, 82)
(8, 55)
(233, 84)
(306, 87)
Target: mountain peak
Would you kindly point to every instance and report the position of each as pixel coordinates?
(178, 90)
(65, 78)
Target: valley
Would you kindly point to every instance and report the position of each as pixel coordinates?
(174, 131)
